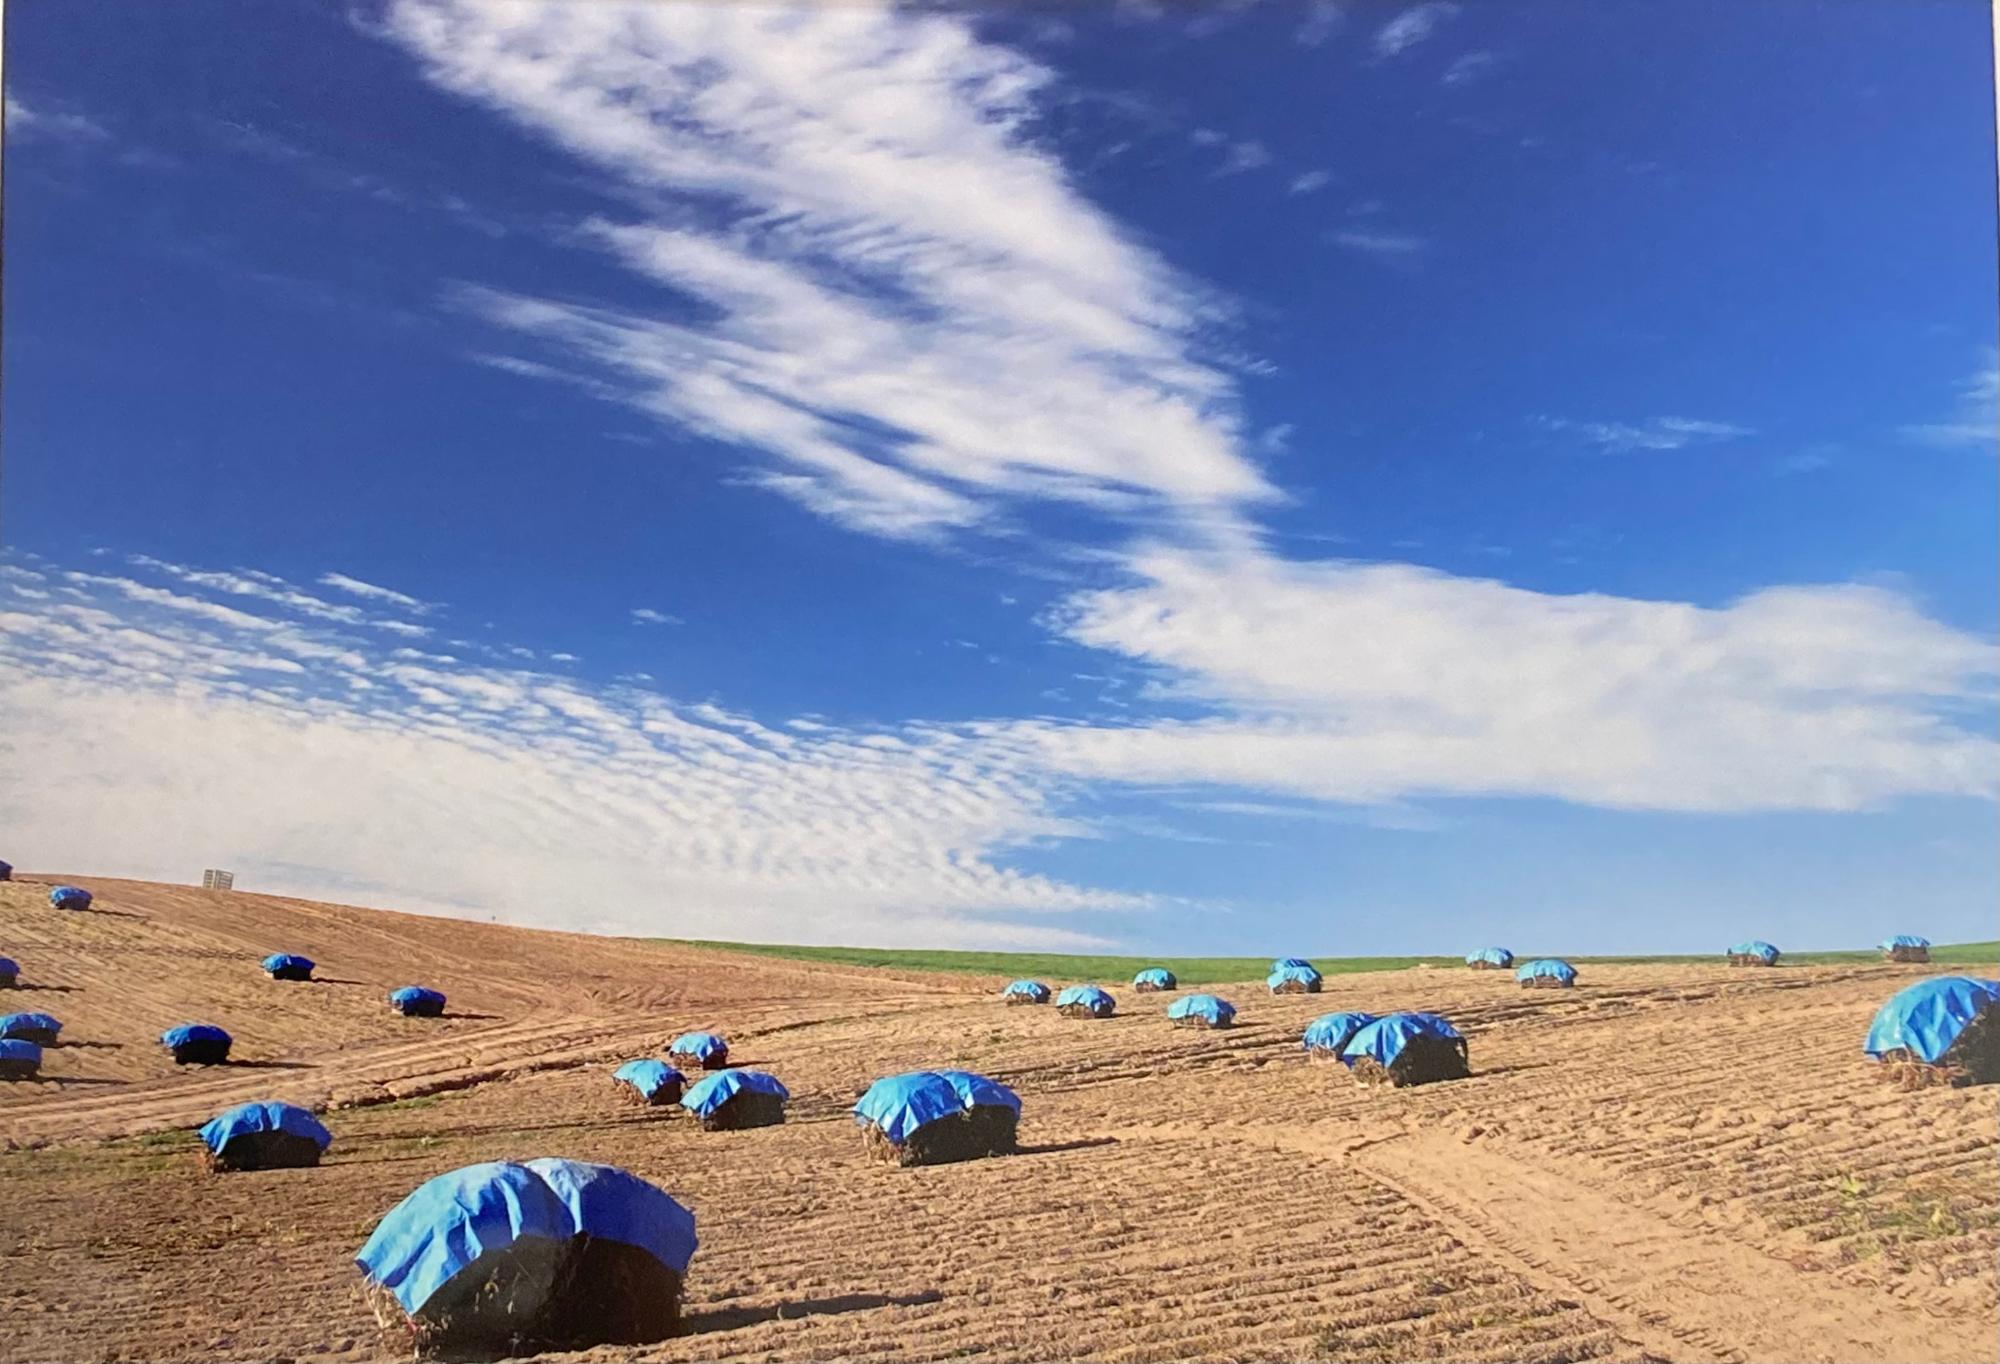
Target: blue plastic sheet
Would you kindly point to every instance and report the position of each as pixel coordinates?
(1096, 1000)
(1385, 1038)
(1157, 976)
(1490, 956)
(6, 871)
(702, 1046)
(648, 1076)
(1286, 963)
(17, 1050)
(610, 1204)
(1754, 949)
(13, 1025)
(1904, 940)
(450, 1221)
(718, 1089)
(69, 897)
(1926, 1018)
(247, 1119)
(415, 994)
(9, 968)
(288, 961)
(900, 1104)
(1216, 1010)
(1547, 966)
(184, 1033)
(1298, 971)
(975, 1090)
(1028, 989)
(1331, 1032)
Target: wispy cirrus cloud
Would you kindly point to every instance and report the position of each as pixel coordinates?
(1310, 182)
(1411, 27)
(355, 587)
(1975, 420)
(904, 311)
(1385, 246)
(42, 123)
(646, 615)
(1656, 433)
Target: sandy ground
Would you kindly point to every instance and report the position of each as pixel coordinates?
(1668, 1163)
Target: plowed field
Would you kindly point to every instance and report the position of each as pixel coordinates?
(1687, 1163)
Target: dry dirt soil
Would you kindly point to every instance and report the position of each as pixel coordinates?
(1666, 1163)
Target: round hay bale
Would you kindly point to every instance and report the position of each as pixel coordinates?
(750, 1108)
(1547, 983)
(1972, 1059)
(1749, 959)
(666, 1094)
(263, 1151)
(493, 1306)
(980, 1131)
(1296, 987)
(291, 973)
(204, 1051)
(19, 1060)
(1908, 954)
(1423, 1060)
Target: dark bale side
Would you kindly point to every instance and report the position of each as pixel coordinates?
(744, 1110)
(41, 1037)
(264, 1151)
(614, 1294)
(19, 1070)
(1080, 1011)
(1917, 954)
(719, 1061)
(292, 973)
(1197, 1021)
(1547, 983)
(1974, 1059)
(201, 1053)
(668, 1093)
(420, 1008)
(1422, 1061)
(488, 1308)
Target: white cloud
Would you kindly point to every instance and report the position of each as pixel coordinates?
(1976, 420)
(31, 124)
(1658, 433)
(904, 305)
(1373, 683)
(355, 587)
(1382, 245)
(1322, 21)
(1411, 27)
(1467, 67)
(646, 615)
(1310, 181)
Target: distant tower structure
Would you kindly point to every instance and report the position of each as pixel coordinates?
(211, 879)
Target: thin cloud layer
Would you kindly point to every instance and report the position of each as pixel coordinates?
(894, 295)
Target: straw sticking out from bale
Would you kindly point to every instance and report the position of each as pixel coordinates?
(494, 1304)
(982, 1130)
(264, 1151)
(1973, 1059)
(1546, 983)
(668, 1093)
(750, 1108)
(1296, 987)
(1749, 959)
(1078, 1011)
(1421, 1061)
(1200, 1021)
(1146, 987)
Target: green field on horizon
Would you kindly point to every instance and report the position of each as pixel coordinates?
(1065, 967)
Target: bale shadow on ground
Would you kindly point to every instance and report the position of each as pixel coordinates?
(49, 989)
(457, 1013)
(734, 1318)
(60, 1045)
(269, 1065)
(1057, 1147)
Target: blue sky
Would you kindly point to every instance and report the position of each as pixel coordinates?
(1266, 477)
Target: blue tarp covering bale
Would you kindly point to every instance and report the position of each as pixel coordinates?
(1906, 947)
(1490, 959)
(1201, 1011)
(19, 1059)
(1154, 980)
(288, 966)
(1753, 953)
(1407, 1049)
(1546, 973)
(1086, 1001)
(6, 871)
(1328, 1035)
(932, 1117)
(1945, 1030)
(10, 973)
(1283, 962)
(731, 1100)
(550, 1254)
(414, 1001)
(1026, 992)
(650, 1082)
(1298, 978)
(708, 1050)
(69, 897)
(41, 1029)
(264, 1136)
(196, 1044)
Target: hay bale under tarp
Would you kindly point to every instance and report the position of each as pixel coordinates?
(1293, 977)
(10, 973)
(1026, 992)
(415, 1001)
(1408, 1049)
(1155, 980)
(288, 966)
(39, 1028)
(708, 1050)
(196, 1044)
(69, 897)
(1546, 973)
(6, 871)
(1941, 1031)
(1753, 954)
(1490, 959)
(19, 1060)
(1328, 1035)
(649, 1083)
(1202, 1011)
(504, 1258)
(1086, 1001)
(1906, 947)
(928, 1117)
(264, 1136)
(733, 1100)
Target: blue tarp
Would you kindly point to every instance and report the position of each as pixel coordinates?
(15, 1050)
(1385, 1038)
(1210, 1007)
(1491, 956)
(975, 1090)
(450, 1221)
(900, 1104)
(15, 1024)
(1298, 971)
(1285, 963)
(246, 1119)
(415, 994)
(287, 961)
(6, 871)
(1156, 975)
(69, 897)
(1332, 1031)
(1029, 989)
(184, 1033)
(1754, 949)
(1547, 966)
(1904, 940)
(1099, 1001)
(648, 1076)
(702, 1046)
(1926, 1018)
(9, 968)
(718, 1089)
